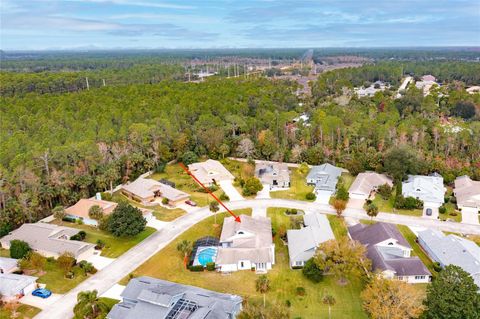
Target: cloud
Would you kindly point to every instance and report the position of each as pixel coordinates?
(148, 4)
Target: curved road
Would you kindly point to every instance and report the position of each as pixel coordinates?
(137, 255)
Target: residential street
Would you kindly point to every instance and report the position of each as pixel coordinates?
(128, 262)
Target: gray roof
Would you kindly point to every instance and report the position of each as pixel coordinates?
(376, 233)
(325, 176)
(426, 188)
(147, 297)
(146, 188)
(210, 171)
(12, 284)
(303, 242)
(366, 182)
(8, 263)
(49, 238)
(268, 172)
(452, 250)
(467, 192)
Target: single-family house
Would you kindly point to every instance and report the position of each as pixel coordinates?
(146, 297)
(276, 175)
(8, 265)
(365, 184)
(467, 193)
(428, 189)
(324, 178)
(50, 240)
(452, 250)
(13, 286)
(390, 252)
(149, 191)
(302, 243)
(210, 172)
(82, 207)
(246, 245)
(426, 83)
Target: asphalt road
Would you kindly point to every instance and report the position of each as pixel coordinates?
(136, 256)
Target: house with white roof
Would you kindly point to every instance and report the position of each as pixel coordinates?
(149, 191)
(246, 245)
(426, 83)
(390, 252)
(275, 175)
(324, 178)
(303, 243)
(13, 286)
(366, 184)
(452, 250)
(8, 265)
(428, 189)
(210, 172)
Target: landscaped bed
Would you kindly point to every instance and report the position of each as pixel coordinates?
(168, 265)
(23, 312)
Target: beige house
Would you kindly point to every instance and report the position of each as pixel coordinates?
(246, 245)
(50, 240)
(276, 175)
(82, 207)
(148, 191)
(210, 172)
(366, 183)
(467, 192)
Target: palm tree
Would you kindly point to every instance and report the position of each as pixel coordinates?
(89, 306)
(262, 285)
(329, 300)
(185, 247)
(214, 209)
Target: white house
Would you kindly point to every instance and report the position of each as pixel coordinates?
(390, 252)
(14, 286)
(428, 189)
(246, 245)
(367, 183)
(8, 265)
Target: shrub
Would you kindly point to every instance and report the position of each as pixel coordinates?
(436, 266)
(442, 209)
(288, 303)
(224, 196)
(69, 219)
(310, 196)
(58, 212)
(50, 259)
(292, 211)
(189, 158)
(165, 201)
(252, 186)
(342, 193)
(385, 191)
(300, 291)
(453, 200)
(296, 222)
(5, 228)
(312, 272)
(80, 236)
(95, 212)
(125, 220)
(87, 267)
(211, 266)
(100, 244)
(70, 275)
(19, 249)
(160, 167)
(66, 261)
(106, 196)
(274, 231)
(196, 268)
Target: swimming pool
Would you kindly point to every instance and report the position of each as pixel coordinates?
(205, 255)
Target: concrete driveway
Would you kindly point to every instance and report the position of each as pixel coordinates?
(434, 212)
(230, 190)
(259, 212)
(157, 224)
(98, 261)
(470, 216)
(264, 193)
(114, 292)
(355, 203)
(38, 302)
(323, 197)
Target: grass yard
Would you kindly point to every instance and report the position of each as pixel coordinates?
(347, 180)
(451, 213)
(55, 279)
(298, 187)
(240, 170)
(338, 225)
(168, 265)
(417, 250)
(4, 252)
(114, 246)
(387, 206)
(109, 301)
(23, 312)
(185, 183)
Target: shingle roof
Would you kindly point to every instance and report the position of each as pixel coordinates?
(82, 207)
(146, 188)
(210, 170)
(49, 238)
(427, 188)
(267, 172)
(467, 192)
(8, 263)
(146, 297)
(376, 233)
(12, 284)
(367, 181)
(325, 176)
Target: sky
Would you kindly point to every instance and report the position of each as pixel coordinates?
(112, 24)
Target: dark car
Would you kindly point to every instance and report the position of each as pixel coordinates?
(191, 203)
(42, 293)
(428, 212)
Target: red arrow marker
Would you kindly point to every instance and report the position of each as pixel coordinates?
(237, 218)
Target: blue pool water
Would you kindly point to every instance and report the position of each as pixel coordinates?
(206, 255)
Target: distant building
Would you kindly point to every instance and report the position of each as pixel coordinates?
(246, 245)
(452, 250)
(14, 286)
(390, 252)
(367, 183)
(50, 240)
(82, 207)
(324, 177)
(377, 86)
(210, 172)
(473, 89)
(467, 193)
(428, 189)
(146, 297)
(276, 175)
(8, 265)
(302, 243)
(148, 191)
(426, 84)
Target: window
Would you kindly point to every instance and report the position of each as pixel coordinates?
(419, 277)
(240, 233)
(390, 244)
(241, 264)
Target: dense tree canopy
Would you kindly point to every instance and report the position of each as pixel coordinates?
(126, 220)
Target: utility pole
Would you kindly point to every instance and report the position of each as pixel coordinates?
(86, 80)
(103, 82)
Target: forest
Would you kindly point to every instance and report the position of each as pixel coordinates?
(57, 148)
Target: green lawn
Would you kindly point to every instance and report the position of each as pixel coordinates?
(55, 279)
(23, 311)
(298, 187)
(338, 226)
(114, 246)
(185, 183)
(417, 250)
(347, 180)
(4, 252)
(451, 213)
(240, 170)
(109, 301)
(387, 206)
(168, 265)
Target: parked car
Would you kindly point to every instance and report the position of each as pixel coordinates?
(42, 293)
(191, 203)
(428, 212)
